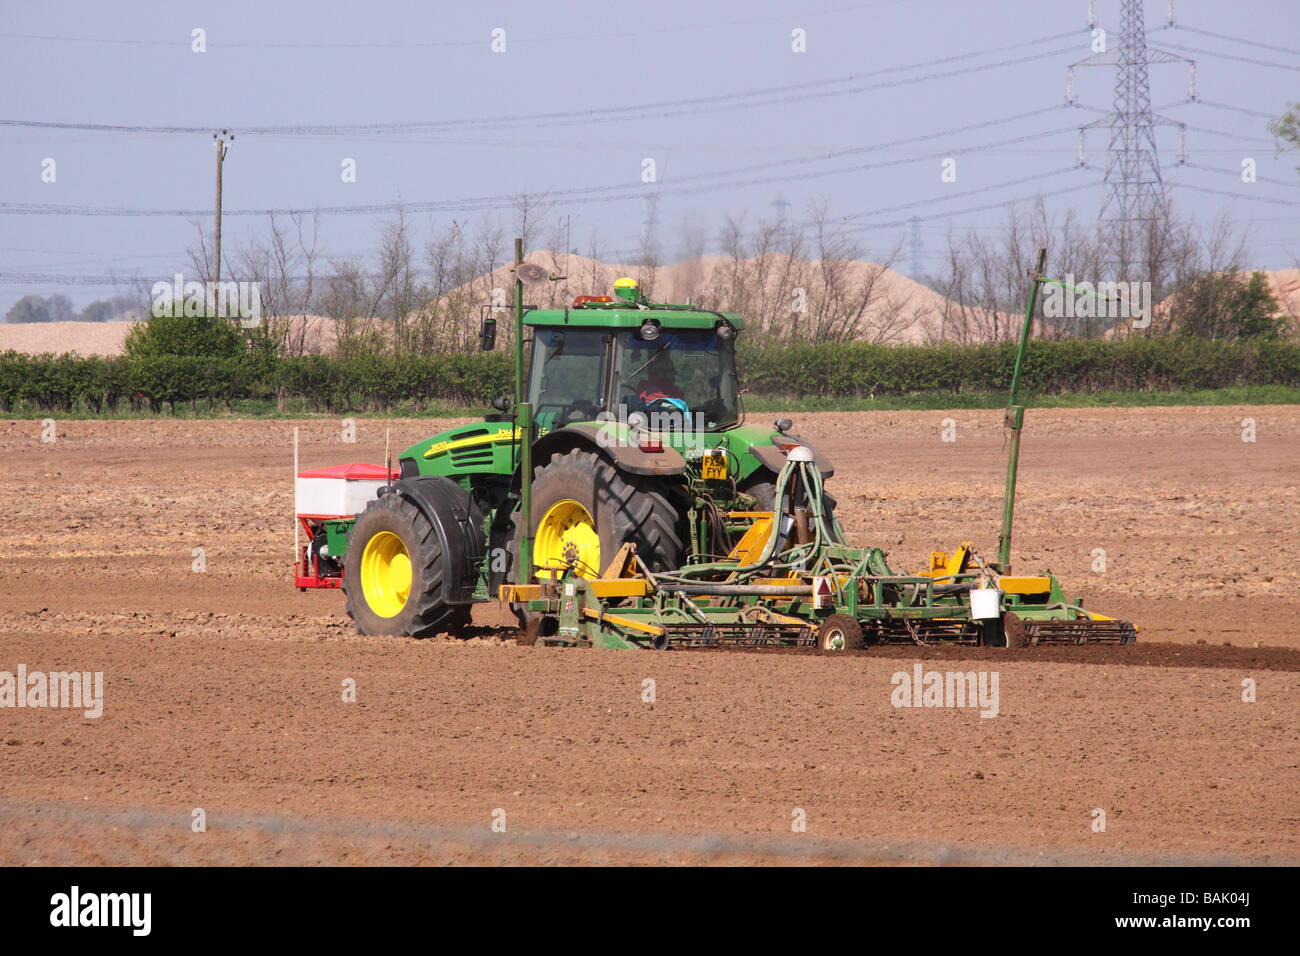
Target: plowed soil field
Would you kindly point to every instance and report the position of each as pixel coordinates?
(159, 553)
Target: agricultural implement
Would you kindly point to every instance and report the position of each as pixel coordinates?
(621, 501)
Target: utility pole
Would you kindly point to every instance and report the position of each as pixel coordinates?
(223, 141)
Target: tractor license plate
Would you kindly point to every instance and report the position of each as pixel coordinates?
(713, 468)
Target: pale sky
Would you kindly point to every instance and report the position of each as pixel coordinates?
(672, 81)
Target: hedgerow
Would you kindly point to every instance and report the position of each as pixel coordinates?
(381, 383)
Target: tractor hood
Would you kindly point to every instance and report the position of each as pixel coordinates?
(479, 448)
(489, 448)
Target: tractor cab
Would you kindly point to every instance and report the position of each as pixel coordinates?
(607, 359)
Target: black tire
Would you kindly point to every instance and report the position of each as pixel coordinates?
(424, 614)
(839, 632)
(625, 508)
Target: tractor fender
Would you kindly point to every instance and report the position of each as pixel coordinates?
(773, 459)
(626, 457)
(457, 522)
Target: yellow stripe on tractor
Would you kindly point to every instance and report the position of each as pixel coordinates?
(505, 435)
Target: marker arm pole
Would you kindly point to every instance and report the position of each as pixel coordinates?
(1015, 420)
(524, 432)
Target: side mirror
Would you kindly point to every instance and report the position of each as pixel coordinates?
(487, 336)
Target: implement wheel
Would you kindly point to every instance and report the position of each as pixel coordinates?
(1014, 632)
(393, 573)
(839, 632)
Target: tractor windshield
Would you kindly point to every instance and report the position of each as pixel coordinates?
(568, 381)
(687, 372)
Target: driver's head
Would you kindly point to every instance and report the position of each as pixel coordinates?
(661, 367)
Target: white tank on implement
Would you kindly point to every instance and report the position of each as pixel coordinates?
(339, 490)
(985, 604)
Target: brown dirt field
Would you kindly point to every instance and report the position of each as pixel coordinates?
(222, 689)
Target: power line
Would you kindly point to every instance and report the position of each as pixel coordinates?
(581, 195)
(1224, 192)
(515, 38)
(1224, 36)
(1236, 174)
(902, 207)
(1237, 109)
(1254, 141)
(1002, 204)
(768, 96)
(1232, 56)
(52, 278)
(969, 192)
(854, 150)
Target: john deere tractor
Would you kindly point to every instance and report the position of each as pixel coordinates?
(626, 426)
(619, 500)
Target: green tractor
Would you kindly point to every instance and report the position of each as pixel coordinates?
(626, 426)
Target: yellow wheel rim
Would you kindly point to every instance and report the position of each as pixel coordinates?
(567, 531)
(386, 574)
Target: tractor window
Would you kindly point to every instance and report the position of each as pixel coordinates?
(694, 372)
(567, 380)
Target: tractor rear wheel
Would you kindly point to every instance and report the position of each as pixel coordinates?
(585, 509)
(393, 573)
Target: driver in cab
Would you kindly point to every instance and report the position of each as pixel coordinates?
(657, 391)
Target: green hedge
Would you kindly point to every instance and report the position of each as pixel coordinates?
(858, 370)
(375, 383)
(62, 383)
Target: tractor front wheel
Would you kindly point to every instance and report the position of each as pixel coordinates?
(393, 573)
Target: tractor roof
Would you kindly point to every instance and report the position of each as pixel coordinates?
(676, 317)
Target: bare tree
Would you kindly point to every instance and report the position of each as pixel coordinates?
(201, 254)
(693, 241)
(284, 267)
(648, 258)
(398, 294)
(532, 214)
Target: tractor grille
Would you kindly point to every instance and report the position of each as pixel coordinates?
(469, 457)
